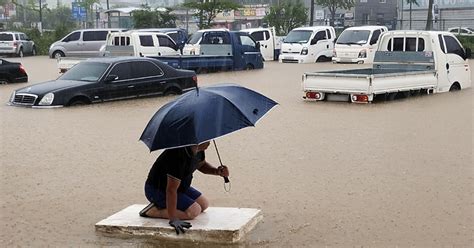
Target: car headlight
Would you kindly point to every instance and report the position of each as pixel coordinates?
(12, 97)
(47, 99)
(363, 54)
(304, 51)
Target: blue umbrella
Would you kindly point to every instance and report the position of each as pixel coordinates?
(203, 114)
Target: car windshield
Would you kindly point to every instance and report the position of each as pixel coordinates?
(194, 38)
(6, 37)
(298, 36)
(470, 29)
(349, 37)
(85, 71)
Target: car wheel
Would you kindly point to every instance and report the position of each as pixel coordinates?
(4, 81)
(249, 67)
(58, 54)
(20, 53)
(172, 92)
(78, 102)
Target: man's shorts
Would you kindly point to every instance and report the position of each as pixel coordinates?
(158, 197)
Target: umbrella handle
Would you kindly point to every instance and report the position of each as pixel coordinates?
(226, 179)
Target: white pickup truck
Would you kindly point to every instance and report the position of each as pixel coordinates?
(406, 63)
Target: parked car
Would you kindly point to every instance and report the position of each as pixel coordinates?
(106, 79)
(82, 43)
(16, 44)
(462, 31)
(12, 72)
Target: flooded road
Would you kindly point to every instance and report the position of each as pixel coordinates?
(396, 173)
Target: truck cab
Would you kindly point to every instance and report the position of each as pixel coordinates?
(138, 43)
(193, 45)
(269, 47)
(308, 44)
(357, 44)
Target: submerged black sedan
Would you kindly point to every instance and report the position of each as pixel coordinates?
(106, 79)
(12, 72)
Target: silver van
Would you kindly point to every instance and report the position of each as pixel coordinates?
(16, 43)
(81, 43)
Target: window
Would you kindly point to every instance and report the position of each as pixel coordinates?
(73, 37)
(267, 35)
(375, 36)
(122, 70)
(145, 69)
(258, 36)
(247, 41)
(452, 46)
(216, 38)
(6, 37)
(17, 36)
(23, 37)
(95, 36)
(464, 31)
(121, 41)
(165, 42)
(146, 40)
(321, 35)
(173, 36)
(328, 33)
(397, 44)
(441, 43)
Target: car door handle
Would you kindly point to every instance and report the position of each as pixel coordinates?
(131, 86)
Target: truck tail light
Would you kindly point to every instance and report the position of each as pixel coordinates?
(360, 98)
(313, 95)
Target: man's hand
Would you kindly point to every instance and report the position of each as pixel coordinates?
(179, 225)
(223, 171)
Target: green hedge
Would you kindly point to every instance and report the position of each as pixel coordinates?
(467, 42)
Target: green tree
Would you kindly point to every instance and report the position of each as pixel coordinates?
(286, 16)
(148, 18)
(208, 10)
(333, 5)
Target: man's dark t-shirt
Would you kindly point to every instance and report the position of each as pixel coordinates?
(179, 163)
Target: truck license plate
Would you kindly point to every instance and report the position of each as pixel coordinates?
(338, 98)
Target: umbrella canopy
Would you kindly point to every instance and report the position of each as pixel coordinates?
(203, 114)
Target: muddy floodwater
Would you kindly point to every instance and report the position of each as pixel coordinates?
(331, 174)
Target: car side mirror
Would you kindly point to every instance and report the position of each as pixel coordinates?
(111, 78)
(314, 41)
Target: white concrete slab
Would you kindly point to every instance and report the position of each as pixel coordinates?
(216, 225)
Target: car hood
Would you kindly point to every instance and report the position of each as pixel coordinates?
(51, 86)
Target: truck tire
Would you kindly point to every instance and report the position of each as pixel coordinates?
(172, 91)
(455, 87)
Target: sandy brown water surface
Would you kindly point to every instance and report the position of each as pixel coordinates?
(324, 174)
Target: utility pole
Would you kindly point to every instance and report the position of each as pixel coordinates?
(41, 17)
(108, 15)
(311, 17)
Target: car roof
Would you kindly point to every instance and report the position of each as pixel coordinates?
(100, 29)
(313, 28)
(368, 27)
(111, 60)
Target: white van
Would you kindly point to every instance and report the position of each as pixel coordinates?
(308, 44)
(134, 43)
(192, 46)
(269, 45)
(81, 43)
(357, 44)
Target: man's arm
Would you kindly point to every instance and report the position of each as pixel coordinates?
(207, 168)
(172, 196)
